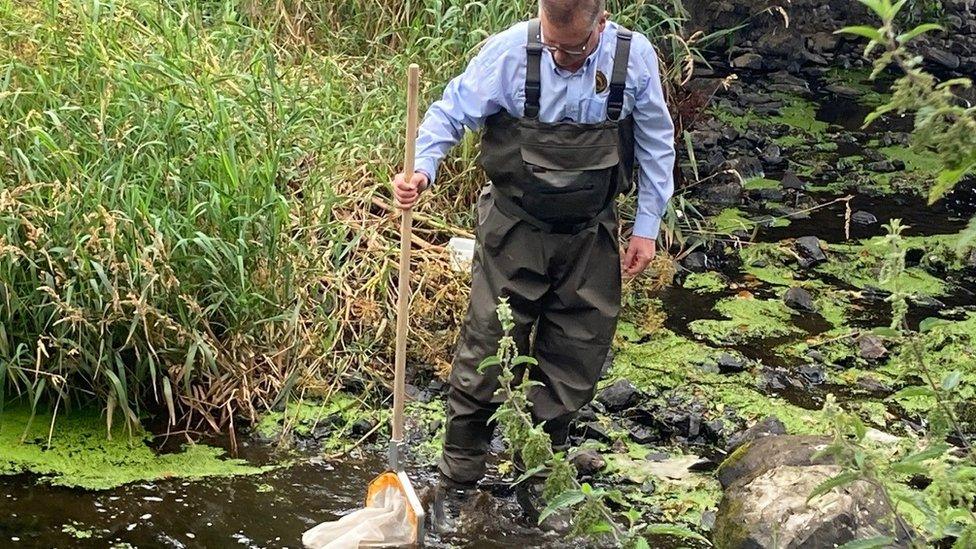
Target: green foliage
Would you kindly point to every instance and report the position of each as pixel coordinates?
(942, 123)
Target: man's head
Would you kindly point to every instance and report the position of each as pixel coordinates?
(572, 26)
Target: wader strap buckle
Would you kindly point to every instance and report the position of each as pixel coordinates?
(533, 70)
(618, 80)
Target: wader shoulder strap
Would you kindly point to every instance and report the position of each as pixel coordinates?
(618, 80)
(533, 71)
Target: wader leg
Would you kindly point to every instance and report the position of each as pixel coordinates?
(507, 262)
(577, 323)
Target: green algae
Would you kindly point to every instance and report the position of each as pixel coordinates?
(760, 183)
(745, 319)
(859, 265)
(730, 220)
(705, 283)
(859, 80)
(80, 455)
(767, 262)
(797, 114)
(800, 114)
(303, 415)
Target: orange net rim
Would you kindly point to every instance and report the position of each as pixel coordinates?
(386, 480)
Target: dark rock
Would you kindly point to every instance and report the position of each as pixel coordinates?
(696, 262)
(748, 167)
(361, 427)
(619, 396)
(872, 385)
(799, 299)
(792, 182)
(751, 61)
(642, 434)
(862, 217)
(842, 91)
(814, 374)
(808, 248)
(648, 487)
(596, 431)
(822, 42)
(765, 453)
(871, 347)
(729, 364)
(769, 426)
(768, 195)
(705, 139)
(728, 193)
(588, 462)
(772, 156)
(814, 58)
(942, 57)
(883, 166)
(707, 520)
(657, 456)
(681, 423)
(714, 430)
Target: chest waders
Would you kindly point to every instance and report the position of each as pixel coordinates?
(547, 239)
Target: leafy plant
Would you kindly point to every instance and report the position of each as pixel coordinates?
(591, 515)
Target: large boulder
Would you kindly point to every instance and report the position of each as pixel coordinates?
(767, 484)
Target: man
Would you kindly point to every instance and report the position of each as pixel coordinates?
(567, 102)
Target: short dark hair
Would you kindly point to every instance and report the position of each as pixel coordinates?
(565, 12)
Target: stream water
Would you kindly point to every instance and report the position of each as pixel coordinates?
(273, 509)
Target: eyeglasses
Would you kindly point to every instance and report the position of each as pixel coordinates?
(575, 51)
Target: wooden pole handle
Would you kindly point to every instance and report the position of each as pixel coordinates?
(403, 296)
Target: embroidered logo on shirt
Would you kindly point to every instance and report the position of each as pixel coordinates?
(601, 82)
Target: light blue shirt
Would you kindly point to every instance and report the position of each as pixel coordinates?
(495, 80)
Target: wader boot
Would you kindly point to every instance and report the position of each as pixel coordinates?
(546, 239)
(449, 498)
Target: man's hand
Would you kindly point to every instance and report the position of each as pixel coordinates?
(640, 252)
(407, 192)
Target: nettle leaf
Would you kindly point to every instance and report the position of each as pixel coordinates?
(951, 381)
(869, 543)
(562, 501)
(931, 322)
(918, 31)
(672, 530)
(870, 33)
(912, 392)
(879, 7)
(519, 360)
(841, 479)
(932, 452)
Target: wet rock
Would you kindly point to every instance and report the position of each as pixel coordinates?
(729, 364)
(872, 385)
(752, 61)
(799, 299)
(862, 217)
(696, 262)
(809, 250)
(656, 456)
(792, 182)
(768, 195)
(748, 167)
(942, 57)
(682, 424)
(769, 426)
(714, 430)
(814, 374)
(596, 431)
(361, 427)
(842, 91)
(772, 511)
(707, 522)
(823, 42)
(589, 462)
(882, 166)
(642, 434)
(728, 193)
(777, 379)
(772, 156)
(762, 454)
(619, 396)
(871, 347)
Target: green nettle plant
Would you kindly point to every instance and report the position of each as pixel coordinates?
(944, 508)
(590, 514)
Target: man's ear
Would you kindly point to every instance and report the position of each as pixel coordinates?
(603, 20)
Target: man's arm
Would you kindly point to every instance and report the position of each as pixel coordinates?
(654, 151)
(467, 101)
(654, 145)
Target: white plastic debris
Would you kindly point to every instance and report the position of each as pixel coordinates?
(462, 253)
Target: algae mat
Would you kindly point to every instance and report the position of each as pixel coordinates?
(81, 455)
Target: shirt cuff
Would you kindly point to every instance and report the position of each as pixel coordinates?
(427, 167)
(647, 225)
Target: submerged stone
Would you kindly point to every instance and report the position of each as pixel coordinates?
(862, 217)
(798, 299)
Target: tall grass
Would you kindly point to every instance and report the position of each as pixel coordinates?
(193, 196)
